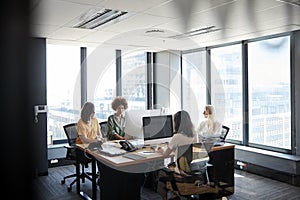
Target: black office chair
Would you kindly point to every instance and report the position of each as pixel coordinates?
(224, 133)
(73, 154)
(192, 181)
(103, 127)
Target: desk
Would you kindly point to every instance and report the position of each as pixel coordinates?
(120, 177)
(219, 164)
(222, 171)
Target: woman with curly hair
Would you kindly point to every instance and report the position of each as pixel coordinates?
(116, 121)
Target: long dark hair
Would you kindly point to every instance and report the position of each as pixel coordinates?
(183, 123)
(87, 109)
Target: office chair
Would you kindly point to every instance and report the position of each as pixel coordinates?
(192, 180)
(103, 127)
(222, 138)
(73, 154)
(224, 133)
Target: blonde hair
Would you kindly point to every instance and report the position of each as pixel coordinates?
(211, 110)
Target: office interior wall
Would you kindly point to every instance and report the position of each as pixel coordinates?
(16, 156)
(37, 96)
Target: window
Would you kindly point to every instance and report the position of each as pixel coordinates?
(226, 88)
(194, 84)
(101, 80)
(134, 83)
(63, 89)
(269, 92)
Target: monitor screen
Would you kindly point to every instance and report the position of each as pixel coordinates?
(133, 122)
(157, 127)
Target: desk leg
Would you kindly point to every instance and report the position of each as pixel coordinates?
(77, 177)
(115, 184)
(94, 184)
(94, 180)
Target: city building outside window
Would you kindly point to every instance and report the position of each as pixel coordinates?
(226, 88)
(63, 89)
(134, 79)
(269, 92)
(194, 84)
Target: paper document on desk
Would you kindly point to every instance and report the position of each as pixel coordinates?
(111, 150)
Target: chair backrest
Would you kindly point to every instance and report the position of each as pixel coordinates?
(71, 132)
(103, 127)
(184, 157)
(224, 133)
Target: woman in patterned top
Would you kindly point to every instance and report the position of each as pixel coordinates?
(116, 121)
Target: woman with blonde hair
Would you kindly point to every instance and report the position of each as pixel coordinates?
(210, 127)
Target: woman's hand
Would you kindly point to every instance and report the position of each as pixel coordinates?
(101, 139)
(160, 150)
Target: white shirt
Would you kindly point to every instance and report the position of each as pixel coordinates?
(179, 139)
(210, 128)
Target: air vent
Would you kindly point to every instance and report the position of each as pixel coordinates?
(199, 31)
(155, 31)
(100, 18)
(293, 2)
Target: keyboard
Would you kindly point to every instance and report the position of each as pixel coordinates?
(134, 156)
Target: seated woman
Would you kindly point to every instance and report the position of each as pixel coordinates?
(88, 129)
(209, 130)
(210, 126)
(116, 121)
(184, 135)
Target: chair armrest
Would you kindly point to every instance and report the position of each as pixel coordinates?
(69, 147)
(70, 152)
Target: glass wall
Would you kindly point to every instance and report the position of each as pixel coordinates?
(101, 80)
(226, 88)
(269, 92)
(267, 80)
(63, 89)
(194, 84)
(134, 80)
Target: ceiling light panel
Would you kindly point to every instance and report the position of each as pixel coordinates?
(96, 19)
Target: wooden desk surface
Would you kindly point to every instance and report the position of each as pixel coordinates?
(225, 146)
(119, 161)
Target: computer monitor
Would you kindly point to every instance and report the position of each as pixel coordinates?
(157, 129)
(133, 122)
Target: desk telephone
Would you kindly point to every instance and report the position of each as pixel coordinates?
(95, 145)
(126, 145)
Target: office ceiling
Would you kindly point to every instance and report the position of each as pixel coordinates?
(163, 24)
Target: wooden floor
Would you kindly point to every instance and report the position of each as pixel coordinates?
(247, 187)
